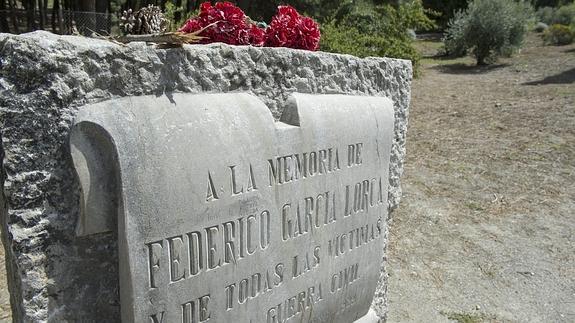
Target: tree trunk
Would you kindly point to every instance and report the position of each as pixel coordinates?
(4, 27)
(55, 15)
(46, 13)
(31, 15)
(54, 12)
(12, 5)
(41, 12)
(65, 7)
(481, 61)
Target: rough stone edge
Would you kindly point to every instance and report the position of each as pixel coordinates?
(401, 110)
(10, 274)
(380, 301)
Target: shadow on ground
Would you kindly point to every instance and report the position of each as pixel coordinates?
(460, 68)
(566, 77)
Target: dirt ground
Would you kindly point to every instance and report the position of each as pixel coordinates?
(5, 313)
(486, 228)
(485, 231)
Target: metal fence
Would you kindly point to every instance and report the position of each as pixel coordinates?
(58, 21)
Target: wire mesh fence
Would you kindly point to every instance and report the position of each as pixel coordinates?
(57, 21)
(88, 22)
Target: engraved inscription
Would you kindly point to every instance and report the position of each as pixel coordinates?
(363, 195)
(253, 286)
(295, 305)
(354, 154)
(293, 167)
(158, 318)
(227, 215)
(308, 215)
(209, 248)
(154, 252)
(343, 278)
(355, 238)
(196, 311)
(175, 252)
(238, 188)
(211, 194)
(304, 263)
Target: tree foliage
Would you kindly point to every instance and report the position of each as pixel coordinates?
(559, 35)
(368, 29)
(359, 27)
(488, 29)
(563, 15)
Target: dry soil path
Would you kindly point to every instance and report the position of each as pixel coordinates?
(486, 228)
(5, 314)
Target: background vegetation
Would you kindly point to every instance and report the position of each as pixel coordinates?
(488, 29)
(358, 27)
(561, 20)
(370, 29)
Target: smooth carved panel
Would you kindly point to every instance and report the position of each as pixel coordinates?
(224, 215)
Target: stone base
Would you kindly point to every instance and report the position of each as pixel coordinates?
(45, 78)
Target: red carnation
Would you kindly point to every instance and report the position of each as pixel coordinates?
(226, 23)
(257, 36)
(289, 29)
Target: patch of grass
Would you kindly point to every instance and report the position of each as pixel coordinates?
(428, 48)
(446, 60)
(474, 206)
(431, 52)
(464, 317)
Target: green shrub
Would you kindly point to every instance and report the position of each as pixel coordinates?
(559, 35)
(349, 40)
(177, 16)
(564, 15)
(546, 14)
(364, 30)
(488, 29)
(171, 12)
(454, 38)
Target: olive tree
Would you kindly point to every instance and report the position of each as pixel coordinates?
(488, 29)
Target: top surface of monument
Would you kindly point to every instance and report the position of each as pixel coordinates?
(225, 215)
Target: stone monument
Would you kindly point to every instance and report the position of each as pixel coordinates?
(224, 215)
(195, 184)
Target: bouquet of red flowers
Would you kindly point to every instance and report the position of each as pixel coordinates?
(226, 23)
